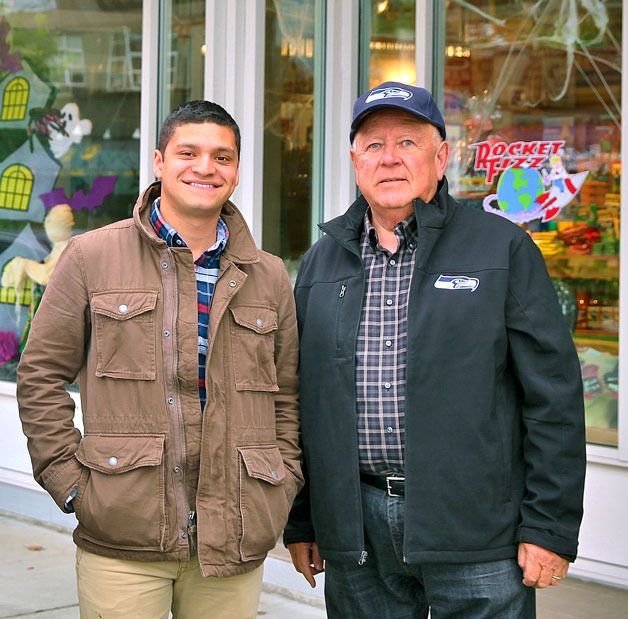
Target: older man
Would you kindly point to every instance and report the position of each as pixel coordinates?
(441, 399)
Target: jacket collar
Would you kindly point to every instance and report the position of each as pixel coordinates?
(347, 228)
(241, 247)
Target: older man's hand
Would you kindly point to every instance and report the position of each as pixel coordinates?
(306, 560)
(541, 568)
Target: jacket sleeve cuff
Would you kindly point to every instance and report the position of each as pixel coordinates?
(294, 535)
(563, 548)
(61, 483)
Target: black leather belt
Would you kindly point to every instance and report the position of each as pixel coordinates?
(393, 484)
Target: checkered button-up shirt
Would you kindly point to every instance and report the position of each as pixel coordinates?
(206, 268)
(381, 349)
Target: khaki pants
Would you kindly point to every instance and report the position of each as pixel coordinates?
(120, 589)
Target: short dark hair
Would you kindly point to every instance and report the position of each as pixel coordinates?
(197, 111)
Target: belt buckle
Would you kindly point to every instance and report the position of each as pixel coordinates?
(393, 478)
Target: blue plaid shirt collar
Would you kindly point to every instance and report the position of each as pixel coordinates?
(166, 232)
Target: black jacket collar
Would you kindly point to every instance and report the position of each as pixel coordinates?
(347, 228)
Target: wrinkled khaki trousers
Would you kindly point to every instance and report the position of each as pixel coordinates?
(120, 589)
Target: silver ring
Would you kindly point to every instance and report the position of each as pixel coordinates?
(556, 577)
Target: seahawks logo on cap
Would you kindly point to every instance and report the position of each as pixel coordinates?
(456, 282)
(388, 93)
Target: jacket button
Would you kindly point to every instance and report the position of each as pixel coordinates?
(183, 535)
(177, 469)
(259, 322)
(113, 461)
(123, 309)
(170, 400)
(232, 283)
(275, 474)
(166, 333)
(164, 265)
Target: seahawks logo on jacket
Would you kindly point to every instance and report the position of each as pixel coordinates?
(456, 282)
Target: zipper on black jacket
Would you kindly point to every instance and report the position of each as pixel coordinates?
(363, 556)
(341, 295)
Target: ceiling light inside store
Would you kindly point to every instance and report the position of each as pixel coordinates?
(457, 51)
(382, 6)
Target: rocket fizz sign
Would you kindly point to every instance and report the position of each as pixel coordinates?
(533, 181)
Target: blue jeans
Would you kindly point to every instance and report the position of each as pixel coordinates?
(387, 588)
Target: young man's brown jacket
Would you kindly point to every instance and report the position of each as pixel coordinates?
(156, 476)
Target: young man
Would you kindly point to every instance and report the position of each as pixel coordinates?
(444, 441)
(183, 336)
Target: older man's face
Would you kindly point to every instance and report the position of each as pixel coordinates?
(396, 158)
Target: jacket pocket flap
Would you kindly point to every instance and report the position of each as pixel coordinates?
(258, 319)
(264, 462)
(124, 304)
(118, 453)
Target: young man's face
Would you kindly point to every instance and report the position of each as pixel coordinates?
(397, 158)
(198, 169)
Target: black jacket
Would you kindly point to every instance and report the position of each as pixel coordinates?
(495, 449)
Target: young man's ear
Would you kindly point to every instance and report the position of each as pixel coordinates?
(158, 160)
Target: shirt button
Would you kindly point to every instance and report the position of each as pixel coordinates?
(411, 245)
(392, 262)
(166, 333)
(232, 283)
(113, 461)
(389, 430)
(123, 309)
(389, 301)
(387, 385)
(179, 241)
(388, 343)
(164, 265)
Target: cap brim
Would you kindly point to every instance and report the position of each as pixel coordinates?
(358, 120)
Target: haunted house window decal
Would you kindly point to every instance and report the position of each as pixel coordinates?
(9, 295)
(16, 186)
(15, 99)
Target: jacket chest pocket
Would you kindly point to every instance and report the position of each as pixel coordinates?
(253, 347)
(124, 324)
(122, 503)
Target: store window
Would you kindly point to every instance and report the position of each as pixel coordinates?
(69, 140)
(181, 53)
(533, 111)
(292, 127)
(387, 42)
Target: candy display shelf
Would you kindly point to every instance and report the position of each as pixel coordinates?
(582, 266)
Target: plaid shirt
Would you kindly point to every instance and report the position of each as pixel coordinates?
(381, 349)
(206, 268)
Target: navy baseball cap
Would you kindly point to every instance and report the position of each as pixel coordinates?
(412, 99)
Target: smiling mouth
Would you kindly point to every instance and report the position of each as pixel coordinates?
(202, 185)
